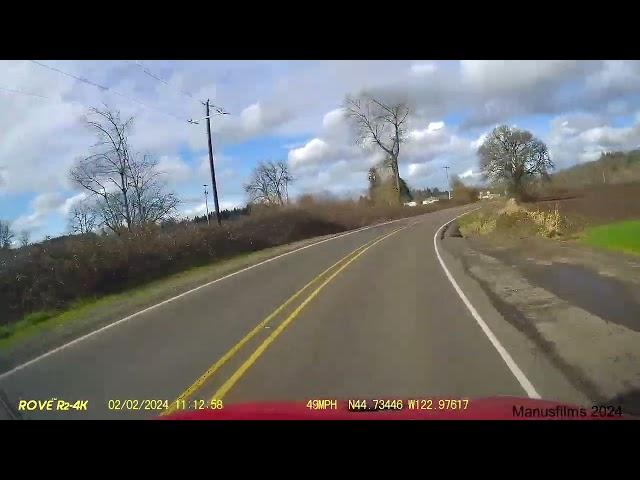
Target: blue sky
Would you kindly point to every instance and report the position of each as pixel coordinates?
(290, 110)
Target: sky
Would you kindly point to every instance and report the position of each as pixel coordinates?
(291, 111)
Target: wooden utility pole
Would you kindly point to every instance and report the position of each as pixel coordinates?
(213, 171)
(219, 111)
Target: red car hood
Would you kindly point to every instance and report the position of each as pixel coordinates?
(493, 408)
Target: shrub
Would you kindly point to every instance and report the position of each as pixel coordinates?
(464, 193)
(481, 223)
(550, 224)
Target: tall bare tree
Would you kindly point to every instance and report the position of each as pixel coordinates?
(269, 183)
(513, 156)
(382, 125)
(125, 187)
(6, 235)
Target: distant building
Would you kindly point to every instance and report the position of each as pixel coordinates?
(487, 195)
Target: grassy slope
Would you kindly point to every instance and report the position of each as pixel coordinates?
(621, 236)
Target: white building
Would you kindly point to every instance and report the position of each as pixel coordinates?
(487, 195)
(430, 200)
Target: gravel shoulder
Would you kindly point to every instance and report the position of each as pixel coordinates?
(579, 305)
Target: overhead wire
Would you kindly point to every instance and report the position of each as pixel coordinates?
(149, 73)
(105, 88)
(23, 93)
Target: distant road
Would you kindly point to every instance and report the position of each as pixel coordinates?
(385, 321)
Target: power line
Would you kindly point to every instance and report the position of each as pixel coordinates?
(105, 88)
(166, 82)
(24, 93)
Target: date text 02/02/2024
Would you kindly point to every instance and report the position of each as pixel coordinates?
(160, 405)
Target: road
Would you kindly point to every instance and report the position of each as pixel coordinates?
(384, 322)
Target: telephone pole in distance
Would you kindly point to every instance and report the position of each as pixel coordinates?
(446, 168)
(206, 204)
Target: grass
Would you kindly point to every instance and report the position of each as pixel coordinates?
(620, 236)
(102, 310)
(28, 321)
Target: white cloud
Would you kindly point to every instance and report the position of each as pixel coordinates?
(47, 202)
(418, 169)
(312, 152)
(252, 117)
(435, 126)
(477, 143)
(418, 134)
(175, 170)
(41, 206)
(256, 119)
(422, 69)
(469, 174)
(496, 75)
(65, 208)
(333, 118)
(583, 137)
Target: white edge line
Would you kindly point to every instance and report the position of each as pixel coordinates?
(513, 366)
(169, 300)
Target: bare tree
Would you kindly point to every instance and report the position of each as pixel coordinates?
(83, 218)
(125, 187)
(6, 235)
(24, 238)
(513, 156)
(150, 202)
(382, 125)
(269, 183)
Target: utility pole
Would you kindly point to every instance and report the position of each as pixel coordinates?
(206, 204)
(219, 111)
(446, 167)
(213, 171)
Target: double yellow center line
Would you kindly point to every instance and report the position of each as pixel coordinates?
(222, 391)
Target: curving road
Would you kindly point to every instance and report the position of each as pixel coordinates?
(384, 321)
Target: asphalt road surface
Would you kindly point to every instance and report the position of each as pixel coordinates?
(384, 322)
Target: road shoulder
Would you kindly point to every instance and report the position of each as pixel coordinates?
(548, 379)
(564, 349)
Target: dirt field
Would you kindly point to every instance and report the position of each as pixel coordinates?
(597, 205)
